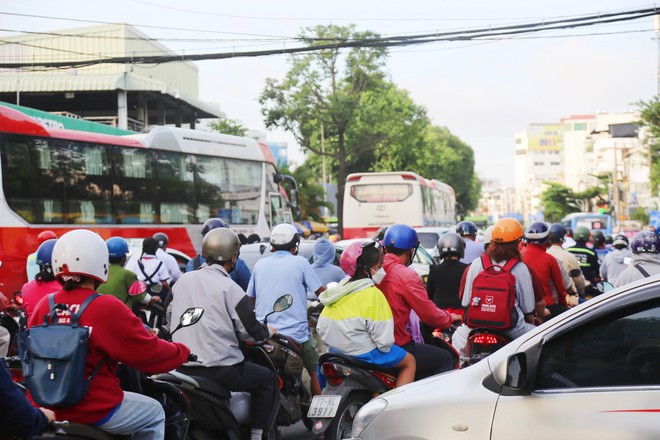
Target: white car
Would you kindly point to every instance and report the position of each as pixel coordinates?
(590, 373)
(428, 239)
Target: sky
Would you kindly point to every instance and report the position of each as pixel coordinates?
(483, 92)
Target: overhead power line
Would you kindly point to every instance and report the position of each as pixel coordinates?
(477, 34)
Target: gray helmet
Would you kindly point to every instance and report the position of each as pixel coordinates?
(451, 244)
(220, 244)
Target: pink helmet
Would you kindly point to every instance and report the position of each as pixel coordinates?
(348, 260)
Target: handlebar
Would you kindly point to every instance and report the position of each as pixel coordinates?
(192, 357)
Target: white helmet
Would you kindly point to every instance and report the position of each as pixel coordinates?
(81, 252)
(284, 236)
(488, 235)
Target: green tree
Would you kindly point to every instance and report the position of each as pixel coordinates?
(557, 201)
(650, 115)
(229, 126)
(310, 193)
(322, 93)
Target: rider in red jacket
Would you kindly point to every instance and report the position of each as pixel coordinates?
(404, 291)
(80, 263)
(544, 267)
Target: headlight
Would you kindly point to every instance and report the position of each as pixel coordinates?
(367, 414)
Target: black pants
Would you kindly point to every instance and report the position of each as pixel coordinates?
(430, 360)
(259, 381)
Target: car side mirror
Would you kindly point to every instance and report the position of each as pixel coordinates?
(512, 373)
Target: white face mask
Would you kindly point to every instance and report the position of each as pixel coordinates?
(378, 276)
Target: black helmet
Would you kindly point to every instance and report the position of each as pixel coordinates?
(620, 241)
(466, 229)
(451, 244)
(381, 233)
(162, 239)
(609, 239)
(598, 238)
(212, 223)
(557, 233)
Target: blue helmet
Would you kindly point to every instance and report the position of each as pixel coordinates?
(117, 247)
(646, 241)
(466, 229)
(557, 232)
(45, 252)
(537, 233)
(400, 236)
(211, 224)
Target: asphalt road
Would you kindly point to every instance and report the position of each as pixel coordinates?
(297, 432)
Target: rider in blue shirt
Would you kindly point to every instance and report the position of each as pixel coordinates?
(286, 272)
(240, 274)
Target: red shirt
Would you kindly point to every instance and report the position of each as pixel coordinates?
(545, 269)
(404, 291)
(33, 292)
(118, 335)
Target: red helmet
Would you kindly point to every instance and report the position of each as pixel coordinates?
(45, 235)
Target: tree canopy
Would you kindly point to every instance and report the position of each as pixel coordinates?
(342, 106)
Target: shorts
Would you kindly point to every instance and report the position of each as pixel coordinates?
(310, 356)
(384, 360)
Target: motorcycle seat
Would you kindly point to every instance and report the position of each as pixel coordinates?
(350, 360)
(189, 378)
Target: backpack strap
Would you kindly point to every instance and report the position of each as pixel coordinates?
(148, 278)
(510, 264)
(642, 270)
(486, 262)
(197, 262)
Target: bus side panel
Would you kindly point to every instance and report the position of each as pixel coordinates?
(17, 243)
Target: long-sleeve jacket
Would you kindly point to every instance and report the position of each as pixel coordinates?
(404, 291)
(116, 335)
(356, 318)
(18, 418)
(546, 269)
(228, 316)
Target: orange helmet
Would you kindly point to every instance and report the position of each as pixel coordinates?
(507, 230)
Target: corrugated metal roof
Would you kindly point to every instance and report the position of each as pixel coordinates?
(33, 83)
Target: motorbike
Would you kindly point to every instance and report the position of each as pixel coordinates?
(221, 414)
(482, 342)
(175, 404)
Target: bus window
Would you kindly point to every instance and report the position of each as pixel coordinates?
(376, 193)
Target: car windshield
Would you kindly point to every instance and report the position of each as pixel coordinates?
(423, 257)
(428, 239)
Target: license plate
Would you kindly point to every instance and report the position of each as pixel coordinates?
(323, 407)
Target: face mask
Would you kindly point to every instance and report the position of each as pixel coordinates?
(378, 276)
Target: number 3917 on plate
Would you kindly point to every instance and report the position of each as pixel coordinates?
(323, 406)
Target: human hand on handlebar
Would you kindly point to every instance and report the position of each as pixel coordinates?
(50, 415)
(271, 331)
(456, 318)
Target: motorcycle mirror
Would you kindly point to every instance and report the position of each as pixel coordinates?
(137, 288)
(189, 317)
(283, 302)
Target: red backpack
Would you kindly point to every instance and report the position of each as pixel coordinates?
(492, 303)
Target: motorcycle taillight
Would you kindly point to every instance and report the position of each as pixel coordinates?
(334, 373)
(488, 339)
(386, 379)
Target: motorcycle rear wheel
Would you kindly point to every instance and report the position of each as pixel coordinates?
(342, 424)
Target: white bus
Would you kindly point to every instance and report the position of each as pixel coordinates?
(170, 180)
(373, 200)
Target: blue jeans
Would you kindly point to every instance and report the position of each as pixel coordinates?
(139, 416)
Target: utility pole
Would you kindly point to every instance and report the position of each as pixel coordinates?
(656, 21)
(324, 177)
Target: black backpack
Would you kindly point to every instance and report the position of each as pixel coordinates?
(53, 357)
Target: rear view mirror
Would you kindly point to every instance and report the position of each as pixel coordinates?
(512, 373)
(189, 317)
(137, 288)
(283, 302)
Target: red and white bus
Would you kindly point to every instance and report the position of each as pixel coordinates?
(170, 180)
(373, 200)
